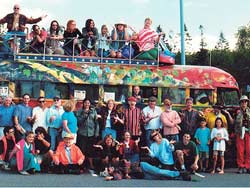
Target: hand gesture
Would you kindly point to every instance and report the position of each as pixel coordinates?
(172, 141)
(137, 141)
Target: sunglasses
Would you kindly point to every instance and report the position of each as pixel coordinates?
(56, 100)
(41, 101)
(16, 8)
(11, 132)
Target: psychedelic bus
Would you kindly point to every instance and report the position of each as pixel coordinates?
(102, 78)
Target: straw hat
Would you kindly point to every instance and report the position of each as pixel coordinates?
(121, 23)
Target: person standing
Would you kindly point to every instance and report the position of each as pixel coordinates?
(16, 24)
(23, 116)
(151, 118)
(6, 114)
(189, 117)
(242, 131)
(170, 120)
(39, 114)
(88, 131)
(54, 121)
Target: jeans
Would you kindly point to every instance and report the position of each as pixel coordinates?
(148, 135)
(54, 135)
(153, 172)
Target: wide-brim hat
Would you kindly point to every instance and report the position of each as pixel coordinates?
(244, 98)
(121, 23)
(69, 136)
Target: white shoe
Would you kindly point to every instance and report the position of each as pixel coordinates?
(92, 172)
(24, 173)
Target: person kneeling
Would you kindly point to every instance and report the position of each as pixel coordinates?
(68, 158)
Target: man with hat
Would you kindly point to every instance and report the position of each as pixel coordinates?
(151, 118)
(242, 131)
(133, 117)
(68, 157)
(54, 121)
(119, 36)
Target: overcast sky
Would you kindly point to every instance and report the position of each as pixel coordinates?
(215, 15)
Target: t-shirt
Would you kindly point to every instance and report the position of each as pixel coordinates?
(71, 121)
(40, 146)
(190, 150)
(222, 133)
(203, 135)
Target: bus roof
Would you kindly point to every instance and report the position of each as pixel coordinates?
(117, 74)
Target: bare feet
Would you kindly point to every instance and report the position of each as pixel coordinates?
(212, 172)
(221, 172)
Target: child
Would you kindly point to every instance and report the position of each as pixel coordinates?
(219, 135)
(202, 137)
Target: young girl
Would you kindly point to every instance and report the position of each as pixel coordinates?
(219, 135)
(104, 42)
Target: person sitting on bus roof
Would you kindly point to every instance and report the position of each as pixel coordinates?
(38, 37)
(55, 36)
(90, 35)
(16, 25)
(71, 36)
(104, 42)
(119, 36)
(146, 40)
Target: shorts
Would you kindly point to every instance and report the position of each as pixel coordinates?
(203, 154)
(216, 152)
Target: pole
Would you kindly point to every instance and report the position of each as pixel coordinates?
(183, 60)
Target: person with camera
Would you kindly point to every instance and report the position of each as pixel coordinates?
(38, 37)
(242, 131)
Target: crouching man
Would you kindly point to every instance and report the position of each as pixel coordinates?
(68, 158)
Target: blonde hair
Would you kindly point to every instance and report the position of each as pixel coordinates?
(68, 25)
(69, 105)
(167, 101)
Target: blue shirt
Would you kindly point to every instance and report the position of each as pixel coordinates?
(6, 115)
(71, 121)
(203, 135)
(22, 112)
(52, 111)
(162, 151)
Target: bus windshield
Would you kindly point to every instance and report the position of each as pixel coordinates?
(228, 97)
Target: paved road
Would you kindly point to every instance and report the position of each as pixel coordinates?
(229, 179)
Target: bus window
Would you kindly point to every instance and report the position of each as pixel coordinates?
(32, 88)
(201, 96)
(120, 93)
(53, 89)
(227, 96)
(176, 95)
(91, 91)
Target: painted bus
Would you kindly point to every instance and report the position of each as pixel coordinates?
(102, 78)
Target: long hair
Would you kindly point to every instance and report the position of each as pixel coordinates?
(57, 29)
(87, 24)
(68, 25)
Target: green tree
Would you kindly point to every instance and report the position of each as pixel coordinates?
(243, 37)
(188, 40)
(222, 44)
(203, 44)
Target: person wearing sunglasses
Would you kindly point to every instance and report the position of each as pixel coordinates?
(54, 122)
(38, 37)
(16, 24)
(39, 114)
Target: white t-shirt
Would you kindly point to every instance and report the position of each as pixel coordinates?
(222, 133)
(154, 123)
(40, 117)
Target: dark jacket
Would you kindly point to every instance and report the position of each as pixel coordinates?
(23, 20)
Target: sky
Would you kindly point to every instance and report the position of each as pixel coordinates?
(216, 16)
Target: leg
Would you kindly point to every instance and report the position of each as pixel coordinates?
(214, 163)
(240, 145)
(157, 172)
(180, 157)
(247, 157)
(222, 164)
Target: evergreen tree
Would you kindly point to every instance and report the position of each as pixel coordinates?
(243, 37)
(188, 40)
(203, 44)
(222, 44)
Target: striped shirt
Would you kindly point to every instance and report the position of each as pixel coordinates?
(132, 120)
(146, 39)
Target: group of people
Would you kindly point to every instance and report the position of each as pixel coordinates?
(87, 42)
(119, 142)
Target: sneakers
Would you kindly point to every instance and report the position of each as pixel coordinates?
(24, 173)
(240, 171)
(92, 172)
(185, 176)
(104, 173)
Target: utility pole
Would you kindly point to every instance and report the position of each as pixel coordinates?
(183, 59)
